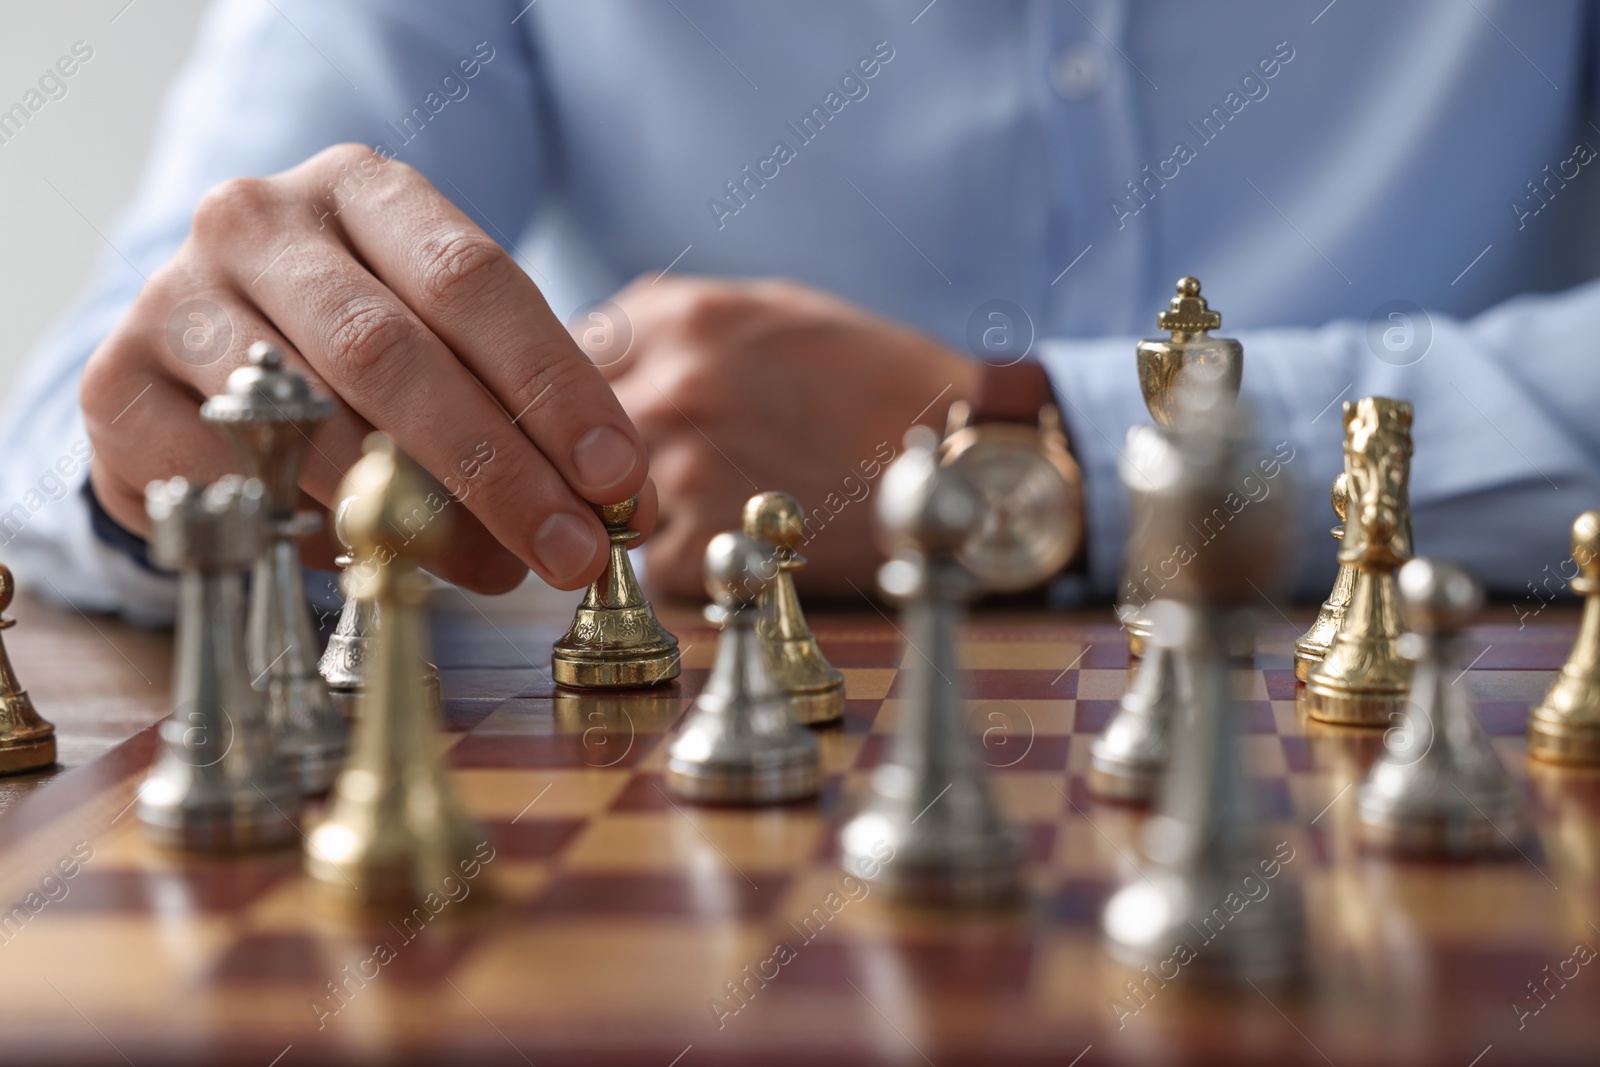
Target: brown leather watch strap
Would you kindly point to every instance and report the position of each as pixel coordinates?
(1013, 393)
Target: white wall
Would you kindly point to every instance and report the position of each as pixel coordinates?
(90, 144)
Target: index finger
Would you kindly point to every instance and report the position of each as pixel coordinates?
(474, 297)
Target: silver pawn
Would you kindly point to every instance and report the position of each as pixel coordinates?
(741, 742)
(1439, 789)
(1128, 759)
(1130, 756)
(929, 830)
(1205, 892)
(218, 782)
(268, 412)
(344, 661)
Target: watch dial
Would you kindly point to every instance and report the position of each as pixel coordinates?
(1030, 528)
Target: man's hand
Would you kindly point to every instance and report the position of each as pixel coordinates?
(741, 387)
(393, 302)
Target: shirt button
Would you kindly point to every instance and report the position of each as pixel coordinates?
(1079, 72)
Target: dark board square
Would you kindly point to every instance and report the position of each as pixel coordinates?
(1107, 655)
(533, 839)
(199, 885)
(859, 716)
(1000, 684)
(1280, 684)
(1091, 716)
(1255, 717)
(1079, 901)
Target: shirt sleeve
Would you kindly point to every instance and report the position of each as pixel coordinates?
(1507, 446)
(450, 89)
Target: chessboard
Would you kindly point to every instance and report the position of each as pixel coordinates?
(609, 923)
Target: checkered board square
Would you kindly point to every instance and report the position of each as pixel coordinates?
(617, 924)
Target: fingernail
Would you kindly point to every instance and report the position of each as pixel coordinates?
(565, 544)
(604, 457)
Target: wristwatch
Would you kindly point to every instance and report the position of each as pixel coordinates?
(1011, 443)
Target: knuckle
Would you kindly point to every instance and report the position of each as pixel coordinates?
(560, 376)
(711, 308)
(687, 389)
(103, 377)
(462, 268)
(230, 205)
(364, 338)
(343, 155)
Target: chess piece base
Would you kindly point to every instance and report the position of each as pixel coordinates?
(941, 876)
(27, 743)
(1348, 708)
(1557, 743)
(793, 777)
(20, 757)
(1305, 662)
(1453, 830)
(593, 670)
(1128, 783)
(1261, 944)
(820, 707)
(221, 829)
(1565, 726)
(994, 885)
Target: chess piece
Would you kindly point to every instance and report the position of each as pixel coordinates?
(344, 661)
(1128, 759)
(268, 412)
(1130, 756)
(1565, 727)
(741, 743)
(815, 690)
(1199, 895)
(1192, 356)
(1362, 679)
(1439, 788)
(395, 829)
(615, 641)
(218, 782)
(1313, 644)
(27, 742)
(929, 830)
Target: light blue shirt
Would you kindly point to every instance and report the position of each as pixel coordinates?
(1380, 199)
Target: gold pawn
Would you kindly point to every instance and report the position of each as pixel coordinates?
(815, 690)
(1313, 644)
(27, 742)
(615, 640)
(1363, 680)
(395, 829)
(1565, 727)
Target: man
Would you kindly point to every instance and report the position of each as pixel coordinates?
(808, 219)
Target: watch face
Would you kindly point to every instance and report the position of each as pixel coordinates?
(1031, 527)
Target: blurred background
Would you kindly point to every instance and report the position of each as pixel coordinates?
(72, 167)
